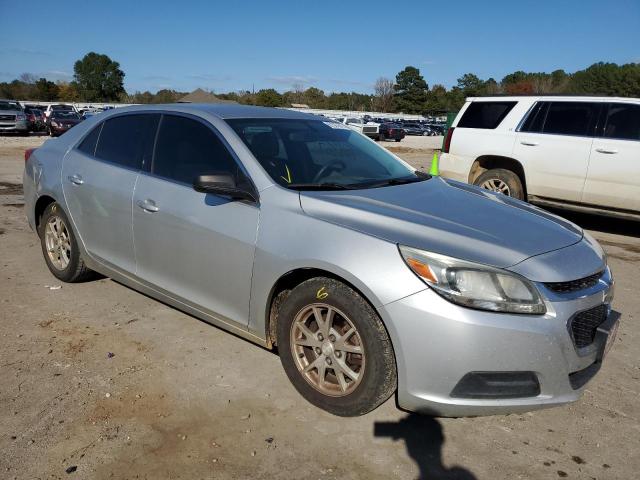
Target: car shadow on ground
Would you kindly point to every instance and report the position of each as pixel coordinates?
(601, 223)
(423, 438)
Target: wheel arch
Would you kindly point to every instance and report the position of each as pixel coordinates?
(288, 282)
(488, 162)
(41, 204)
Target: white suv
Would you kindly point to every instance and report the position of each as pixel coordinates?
(581, 153)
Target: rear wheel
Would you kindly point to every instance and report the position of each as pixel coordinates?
(334, 348)
(503, 181)
(59, 246)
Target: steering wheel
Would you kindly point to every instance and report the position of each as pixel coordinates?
(329, 167)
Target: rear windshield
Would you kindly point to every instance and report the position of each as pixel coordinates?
(486, 115)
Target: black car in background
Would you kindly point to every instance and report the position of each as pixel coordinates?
(413, 128)
(390, 131)
(35, 117)
(60, 121)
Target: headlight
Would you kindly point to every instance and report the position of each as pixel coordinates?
(474, 285)
(54, 124)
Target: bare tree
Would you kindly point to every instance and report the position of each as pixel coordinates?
(29, 78)
(383, 89)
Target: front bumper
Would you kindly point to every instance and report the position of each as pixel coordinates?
(19, 126)
(437, 343)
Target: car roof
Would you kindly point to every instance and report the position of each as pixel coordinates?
(223, 111)
(556, 98)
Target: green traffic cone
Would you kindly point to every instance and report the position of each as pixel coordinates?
(434, 166)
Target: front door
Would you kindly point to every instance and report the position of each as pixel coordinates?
(197, 247)
(554, 145)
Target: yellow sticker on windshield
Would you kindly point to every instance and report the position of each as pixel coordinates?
(321, 294)
(288, 178)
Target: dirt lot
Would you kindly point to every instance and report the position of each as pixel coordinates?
(103, 382)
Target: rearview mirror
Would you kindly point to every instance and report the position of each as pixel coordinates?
(222, 184)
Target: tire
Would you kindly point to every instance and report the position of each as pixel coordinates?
(381, 137)
(74, 269)
(398, 139)
(374, 366)
(50, 132)
(502, 181)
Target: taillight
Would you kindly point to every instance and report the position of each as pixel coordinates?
(447, 140)
(27, 153)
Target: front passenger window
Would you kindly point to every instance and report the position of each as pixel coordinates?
(187, 148)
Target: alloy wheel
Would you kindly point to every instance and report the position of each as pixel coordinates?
(57, 242)
(327, 349)
(496, 185)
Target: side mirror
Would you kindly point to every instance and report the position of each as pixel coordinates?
(222, 184)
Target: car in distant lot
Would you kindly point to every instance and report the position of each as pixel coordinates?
(412, 128)
(295, 232)
(60, 121)
(578, 153)
(62, 107)
(35, 117)
(390, 131)
(370, 129)
(12, 117)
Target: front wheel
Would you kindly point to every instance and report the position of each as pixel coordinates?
(334, 348)
(503, 181)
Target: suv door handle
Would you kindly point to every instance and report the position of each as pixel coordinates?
(148, 205)
(605, 150)
(529, 144)
(75, 179)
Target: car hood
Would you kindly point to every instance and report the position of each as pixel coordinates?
(447, 217)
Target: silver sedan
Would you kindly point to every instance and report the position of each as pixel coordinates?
(296, 232)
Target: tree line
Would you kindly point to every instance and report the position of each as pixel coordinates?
(98, 78)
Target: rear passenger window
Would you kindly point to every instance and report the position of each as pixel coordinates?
(187, 148)
(623, 122)
(570, 118)
(535, 119)
(88, 145)
(128, 140)
(486, 115)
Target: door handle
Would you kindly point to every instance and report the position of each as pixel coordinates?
(148, 205)
(605, 150)
(75, 179)
(529, 144)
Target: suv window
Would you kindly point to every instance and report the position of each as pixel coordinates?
(535, 120)
(570, 118)
(88, 145)
(486, 115)
(623, 121)
(127, 140)
(187, 148)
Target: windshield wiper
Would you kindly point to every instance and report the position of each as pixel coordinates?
(318, 186)
(419, 177)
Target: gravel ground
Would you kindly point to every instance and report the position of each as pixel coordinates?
(102, 382)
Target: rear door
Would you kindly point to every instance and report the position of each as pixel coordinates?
(195, 246)
(98, 178)
(613, 179)
(553, 145)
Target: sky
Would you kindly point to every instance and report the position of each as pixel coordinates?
(333, 45)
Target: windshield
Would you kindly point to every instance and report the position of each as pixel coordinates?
(64, 115)
(9, 106)
(305, 152)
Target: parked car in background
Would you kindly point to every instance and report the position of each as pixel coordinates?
(412, 128)
(390, 131)
(580, 153)
(370, 129)
(35, 117)
(13, 118)
(58, 107)
(294, 231)
(60, 121)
